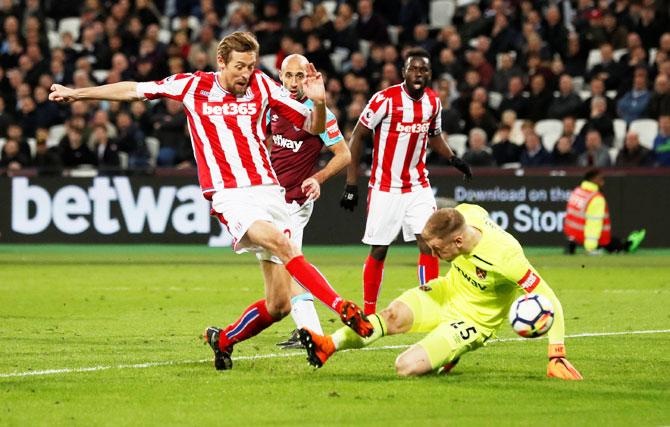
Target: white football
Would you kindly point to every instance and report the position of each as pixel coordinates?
(531, 315)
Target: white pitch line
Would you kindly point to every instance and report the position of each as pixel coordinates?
(288, 354)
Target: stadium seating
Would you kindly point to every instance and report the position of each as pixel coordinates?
(549, 130)
(619, 132)
(70, 25)
(123, 160)
(153, 145)
(647, 129)
(593, 59)
(441, 13)
(56, 133)
(457, 142)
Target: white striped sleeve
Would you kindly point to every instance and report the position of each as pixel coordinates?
(173, 87)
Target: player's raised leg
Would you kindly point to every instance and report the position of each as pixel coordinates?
(264, 234)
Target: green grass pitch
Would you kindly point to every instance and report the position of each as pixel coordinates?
(110, 335)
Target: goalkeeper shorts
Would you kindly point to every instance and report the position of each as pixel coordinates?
(449, 333)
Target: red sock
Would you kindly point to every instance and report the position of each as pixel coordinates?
(428, 268)
(373, 273)
(254, 319)
(311, 279)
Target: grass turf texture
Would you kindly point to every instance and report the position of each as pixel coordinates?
(107, 306)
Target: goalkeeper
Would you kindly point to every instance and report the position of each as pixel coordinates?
(461, 311)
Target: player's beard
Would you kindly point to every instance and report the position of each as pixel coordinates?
(239, 87)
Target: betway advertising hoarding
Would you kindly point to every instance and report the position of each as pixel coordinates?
(171, 210)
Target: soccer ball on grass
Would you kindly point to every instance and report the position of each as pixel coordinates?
(531, 315)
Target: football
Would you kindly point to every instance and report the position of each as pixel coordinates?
(531, 315)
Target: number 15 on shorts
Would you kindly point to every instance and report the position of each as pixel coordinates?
(465, 331)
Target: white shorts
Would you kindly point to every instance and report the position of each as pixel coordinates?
(388, 212)
(300, 216)
(241, 207)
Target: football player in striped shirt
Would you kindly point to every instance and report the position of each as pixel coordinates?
(460, 311)
(403, 120)
(226, 112)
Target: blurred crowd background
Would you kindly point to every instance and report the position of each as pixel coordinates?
(523, 83)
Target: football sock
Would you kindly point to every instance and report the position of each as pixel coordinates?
(428, 268)
(254, 319)
(373, 274)
(345, 337)
(304, 314)
(307, 276)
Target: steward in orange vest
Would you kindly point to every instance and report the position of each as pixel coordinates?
(587, 220)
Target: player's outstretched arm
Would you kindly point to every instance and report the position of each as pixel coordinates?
(314, 89)
(349, 198)
(439, 145)
(518, 269)
(121, 91)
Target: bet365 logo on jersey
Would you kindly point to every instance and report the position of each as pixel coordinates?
(229, 109)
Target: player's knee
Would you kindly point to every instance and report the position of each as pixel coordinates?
(398, 319)
(282, 247)
(279, 307)
(406, 366)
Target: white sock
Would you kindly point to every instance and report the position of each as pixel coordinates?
(304, 314)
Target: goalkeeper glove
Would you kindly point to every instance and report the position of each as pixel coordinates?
(559, 367)
(349, 198)
(460, 164)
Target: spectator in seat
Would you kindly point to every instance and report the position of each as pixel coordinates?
(479, 117)
(576, 56)
(634, 103)
(106, 149)
(597, 89)
(478, 153)
(662, 141)
(514, 99)
(451, 117)
(12, 158)
(596, 154)
(47, 159)
(131, 140)
(633, 154)
(505, 71)
(599, 120)
(533, 153)
(659, 103)
(539, 99)
(169, 128)
(503, 149)
(73, 150)
(371, 26)
(562, 155)
(567, 103)
(608, 70)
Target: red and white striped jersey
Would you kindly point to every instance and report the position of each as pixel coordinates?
(228, 132)
(401, 126)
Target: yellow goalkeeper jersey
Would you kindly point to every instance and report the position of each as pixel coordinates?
(483, 284)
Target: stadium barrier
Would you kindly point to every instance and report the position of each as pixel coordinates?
(170, 209)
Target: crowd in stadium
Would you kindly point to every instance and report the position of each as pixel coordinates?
(523, 83)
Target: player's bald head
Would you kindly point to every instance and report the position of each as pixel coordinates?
(292, 74)
(442, 224)
(294, 60)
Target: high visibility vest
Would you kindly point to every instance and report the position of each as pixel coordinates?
(575, 218)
